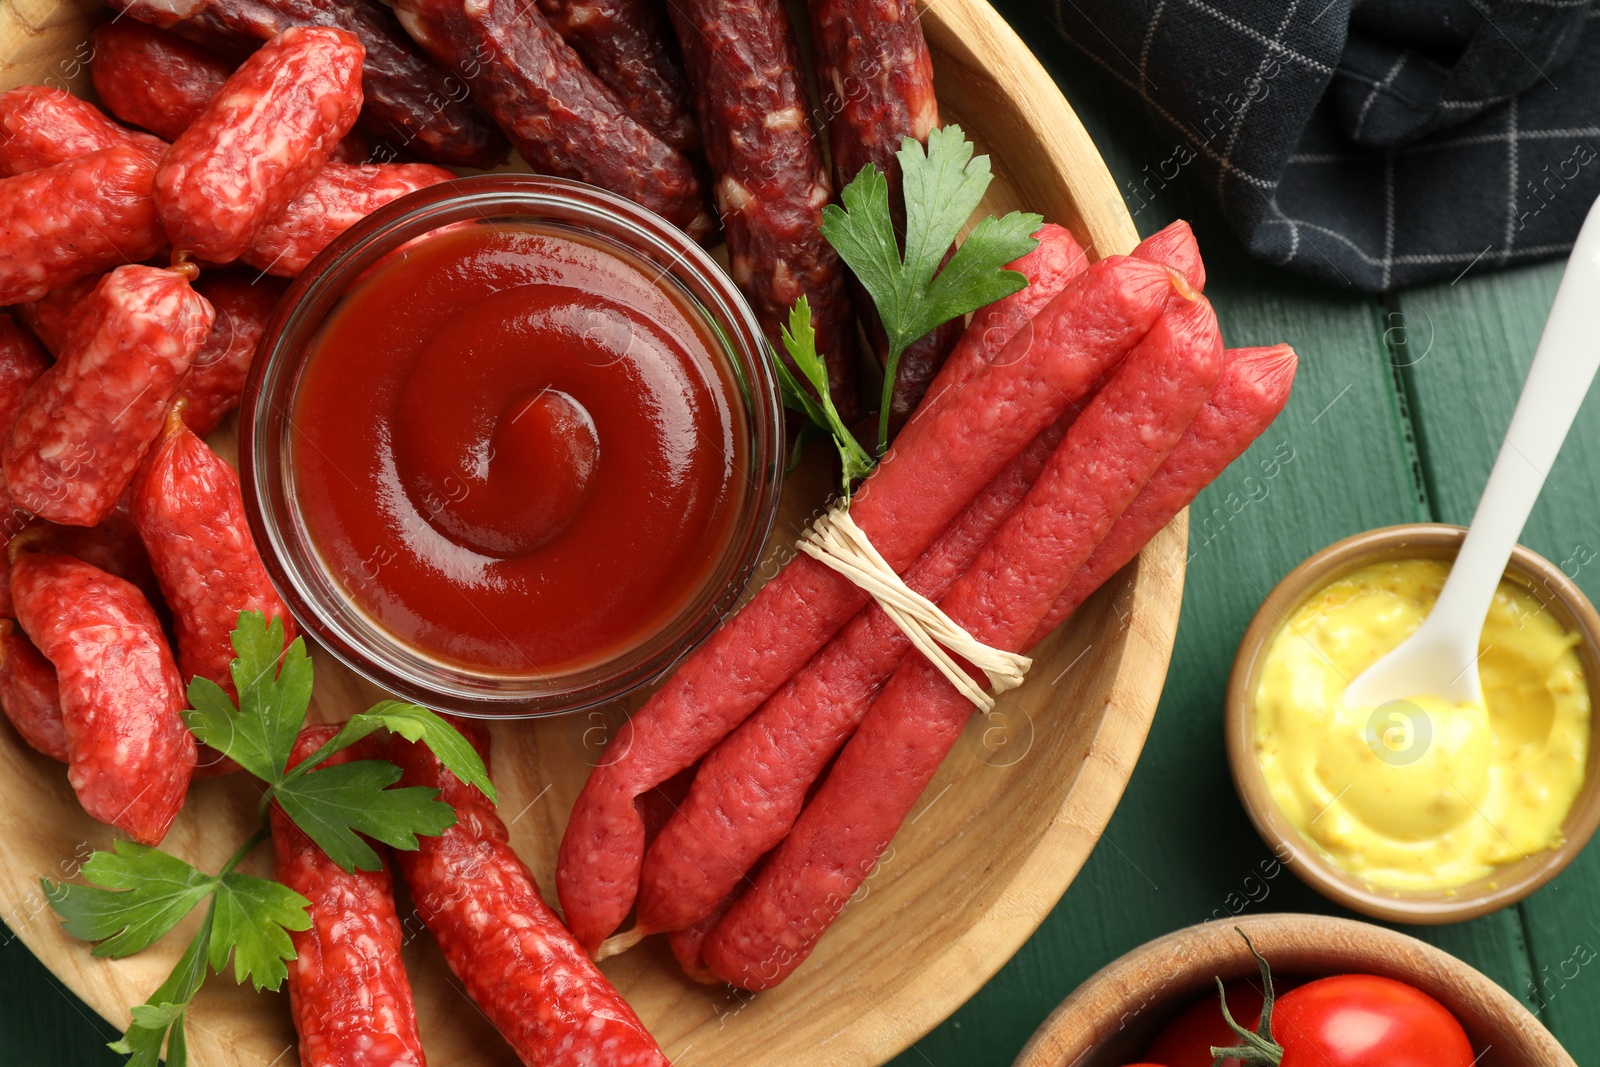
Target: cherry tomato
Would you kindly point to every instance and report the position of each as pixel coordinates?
(1353, 1020)
(1359, 1020)
(1187, 1040)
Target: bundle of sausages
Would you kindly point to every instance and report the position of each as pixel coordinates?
(1072, 421)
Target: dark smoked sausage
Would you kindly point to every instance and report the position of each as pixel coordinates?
(560, 116)
(771, 185)
(629, 46)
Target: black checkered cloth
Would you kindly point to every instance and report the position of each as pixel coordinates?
(1371, 144)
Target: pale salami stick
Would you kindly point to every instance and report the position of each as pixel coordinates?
(130, 755)
(259, 142)
(76, 218)
(41, 126)
(517, 962)
(87, 422)
(348, 990)
(338, 197)
(152, 78)
(29, 694)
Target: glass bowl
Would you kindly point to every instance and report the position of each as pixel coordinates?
(266, 433)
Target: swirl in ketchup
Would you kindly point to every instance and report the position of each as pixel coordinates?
(520, 453)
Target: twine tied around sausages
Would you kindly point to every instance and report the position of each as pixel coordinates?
(836, 542)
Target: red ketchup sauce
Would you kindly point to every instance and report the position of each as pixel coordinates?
(519, 452)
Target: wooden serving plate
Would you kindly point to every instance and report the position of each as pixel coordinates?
(1111, 1018)
(999, 836)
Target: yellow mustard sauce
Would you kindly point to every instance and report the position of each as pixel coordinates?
(1422, 795)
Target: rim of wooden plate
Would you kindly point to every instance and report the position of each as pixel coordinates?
(1110, 1018)
(981, 68)
(1506, 885)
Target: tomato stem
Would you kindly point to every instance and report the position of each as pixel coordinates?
(1256, 1047)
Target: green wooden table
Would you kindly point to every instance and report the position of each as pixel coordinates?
(1397, 414)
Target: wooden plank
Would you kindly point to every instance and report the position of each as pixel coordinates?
(1473, 341)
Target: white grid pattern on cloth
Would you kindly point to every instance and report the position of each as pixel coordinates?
(1526, 138)
(1274, 49)
(1378, 87)
(1274, 43)
(1563, 134)
(1216, 157)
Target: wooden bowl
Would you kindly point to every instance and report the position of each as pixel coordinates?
(1004, 828)
(1506, 885)
(1111, 1018)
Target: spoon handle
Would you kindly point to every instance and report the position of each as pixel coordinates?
(1563, 368)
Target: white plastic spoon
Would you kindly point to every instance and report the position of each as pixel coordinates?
(1441, 658)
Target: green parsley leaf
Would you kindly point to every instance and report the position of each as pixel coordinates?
(337, 803)
(151, 1016)
(943, 186)
(142, 894)
(274, 685)
(177, 1044)
(800, 339)
(161, 1017)
(253, 918)
(414, 723)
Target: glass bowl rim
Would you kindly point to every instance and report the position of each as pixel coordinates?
(368, 649)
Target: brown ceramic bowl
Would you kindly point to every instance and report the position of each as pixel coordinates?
(1113, 1016)
(1507, 884)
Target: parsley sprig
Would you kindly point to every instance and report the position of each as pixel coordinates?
(943, 185)
(137, 894)
(800, 339)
